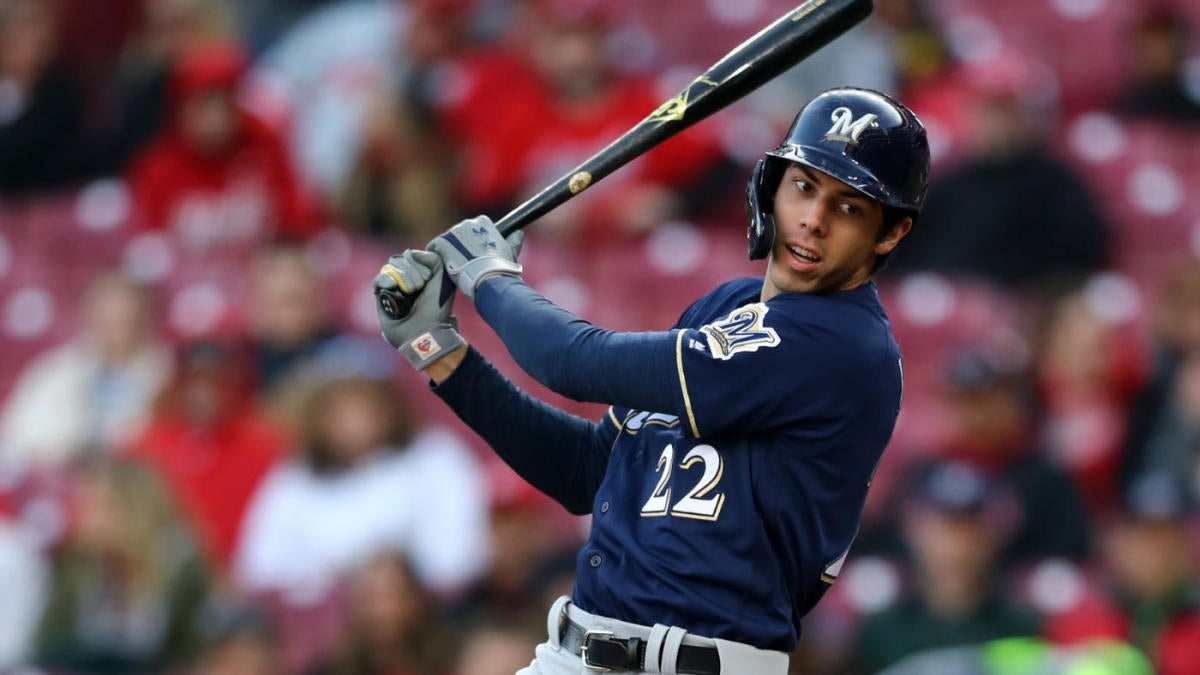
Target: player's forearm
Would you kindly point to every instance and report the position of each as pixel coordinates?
(576, 359)
(562, 455)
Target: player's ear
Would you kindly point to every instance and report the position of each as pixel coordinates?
(892, 235)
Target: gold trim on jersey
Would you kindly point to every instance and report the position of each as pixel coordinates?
(687, 399)
(613, 416)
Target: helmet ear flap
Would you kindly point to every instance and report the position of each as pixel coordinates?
(760, 198)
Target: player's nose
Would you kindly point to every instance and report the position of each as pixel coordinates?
(815, 217)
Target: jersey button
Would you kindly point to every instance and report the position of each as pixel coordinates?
(604, 507)
(595, 561)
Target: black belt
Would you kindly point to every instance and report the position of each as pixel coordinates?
(602, 652)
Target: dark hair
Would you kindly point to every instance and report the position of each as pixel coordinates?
(891, 217)
(383, 395)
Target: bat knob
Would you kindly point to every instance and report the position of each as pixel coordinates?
(393, 304)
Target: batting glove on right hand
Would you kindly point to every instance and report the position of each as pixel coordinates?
(429, 331)
(474, 250)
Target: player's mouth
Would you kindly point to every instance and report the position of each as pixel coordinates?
(803, 258)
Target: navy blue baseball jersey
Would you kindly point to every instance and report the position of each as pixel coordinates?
(727, 480)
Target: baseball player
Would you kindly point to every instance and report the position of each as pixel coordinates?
(727, 478)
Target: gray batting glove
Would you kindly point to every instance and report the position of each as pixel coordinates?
(474, 250)
(429, 332)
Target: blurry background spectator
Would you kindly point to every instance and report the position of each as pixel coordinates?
(1009, 212)
(574, 103)
(216, 176)
(993, 429)
(317, 80)
(128, 584)
(211, 444)
(1160, 41)
(954, 527)
(167, 30)
(392, 626)
(1087, 376)
(93, 393)
(40, 102)
(1153, 599)
(1164, 431)
(366, 477)
(287, 314)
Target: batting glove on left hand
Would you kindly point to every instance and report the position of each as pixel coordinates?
(474, 250)
(429, 332)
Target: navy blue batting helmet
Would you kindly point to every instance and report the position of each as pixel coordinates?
(866, 139)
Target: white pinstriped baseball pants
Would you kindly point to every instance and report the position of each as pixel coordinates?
(736, 658)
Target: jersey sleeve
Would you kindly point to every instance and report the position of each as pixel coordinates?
(755, 369)
(562, 455)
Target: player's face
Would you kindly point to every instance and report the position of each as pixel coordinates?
(828, 235)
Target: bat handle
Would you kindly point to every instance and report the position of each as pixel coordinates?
(398, 305)
(394, 304)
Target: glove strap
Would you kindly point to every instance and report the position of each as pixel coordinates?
(475, 271)
(438, 341)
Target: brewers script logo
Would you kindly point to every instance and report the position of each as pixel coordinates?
(741, 331)
(847, 129)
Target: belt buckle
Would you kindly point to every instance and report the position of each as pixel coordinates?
(583, 650)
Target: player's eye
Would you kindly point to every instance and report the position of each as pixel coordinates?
(803, 185)
(850, 209)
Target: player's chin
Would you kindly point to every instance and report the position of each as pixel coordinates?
(789, 280)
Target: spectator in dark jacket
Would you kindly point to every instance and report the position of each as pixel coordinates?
(1010, 213)
(39, 102)
(1153, 598)
(1159, 44)
(989, 397)
(953, 527)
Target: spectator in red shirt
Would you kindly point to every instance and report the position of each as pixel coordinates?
(217, 176)
(527, 114)
(210, 444)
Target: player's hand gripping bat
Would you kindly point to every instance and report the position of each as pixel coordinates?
(779, 46)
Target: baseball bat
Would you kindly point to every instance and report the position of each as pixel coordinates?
(784, 43)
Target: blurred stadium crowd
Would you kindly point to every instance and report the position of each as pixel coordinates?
(211, 463)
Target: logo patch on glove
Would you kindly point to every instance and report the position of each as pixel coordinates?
(425, 346)
(485, 239)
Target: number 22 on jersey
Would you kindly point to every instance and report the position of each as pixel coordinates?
(700, 501)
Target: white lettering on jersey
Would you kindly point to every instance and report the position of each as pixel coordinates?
(636, 421)
(741, 331)
(847, 129)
